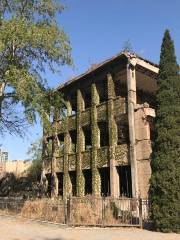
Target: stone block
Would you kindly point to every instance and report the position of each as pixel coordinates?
(142, 128)
(144, 174)
(143, 149)
(149, 112)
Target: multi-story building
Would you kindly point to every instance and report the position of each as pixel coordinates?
(3, 156)
(107, 133)
(17, 167)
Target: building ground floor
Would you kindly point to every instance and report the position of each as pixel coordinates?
(123, 185)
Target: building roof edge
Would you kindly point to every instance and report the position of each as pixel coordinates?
(99, 65)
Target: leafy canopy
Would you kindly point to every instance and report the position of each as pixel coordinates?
(35, 152)
(30, 43)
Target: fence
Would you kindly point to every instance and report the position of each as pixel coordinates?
(87, 211)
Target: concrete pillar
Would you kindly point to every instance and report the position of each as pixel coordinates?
(67, 186)
(80, 182)
(143, 147)
(55, 154)
(131, 88)
(69, 108)
(95, 139)
(112, 128)
(45, 155)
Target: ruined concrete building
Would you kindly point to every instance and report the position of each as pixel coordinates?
(106, 136)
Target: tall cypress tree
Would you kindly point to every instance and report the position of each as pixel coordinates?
(165, 180)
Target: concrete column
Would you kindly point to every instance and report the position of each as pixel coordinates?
(80, 182)
(69, 108)
(143, 147)
(95, 139)
(67, 186)
(112, 128)
(131, 88)
(45, 155)
(55, 154)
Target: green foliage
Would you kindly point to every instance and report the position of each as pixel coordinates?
(165, 180)
(7, 184)
(30, 42)
(35, 152)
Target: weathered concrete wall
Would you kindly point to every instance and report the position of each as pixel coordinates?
(143, 149)
(18, 167)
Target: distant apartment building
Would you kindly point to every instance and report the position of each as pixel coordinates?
(17, 167)
(3, 156)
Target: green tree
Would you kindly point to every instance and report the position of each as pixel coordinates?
(35, 155)
(35, 152)
(165, 180)
(30, 43)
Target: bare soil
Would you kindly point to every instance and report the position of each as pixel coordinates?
(18, 229)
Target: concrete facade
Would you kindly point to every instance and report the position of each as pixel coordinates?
(17, 167)
(106, 134)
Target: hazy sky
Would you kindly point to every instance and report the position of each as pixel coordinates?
(97, 30)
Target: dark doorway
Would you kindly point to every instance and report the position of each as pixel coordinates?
(125, 181)
(123, 133)
(48, 176)
(73, 135)
(105, 181)
(72, 175)
(88, 181)
(104, 134)
(87, 135)
(60, 183)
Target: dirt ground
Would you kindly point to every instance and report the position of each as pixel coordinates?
(18, 229)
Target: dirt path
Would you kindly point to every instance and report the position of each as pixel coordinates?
(16, 229)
